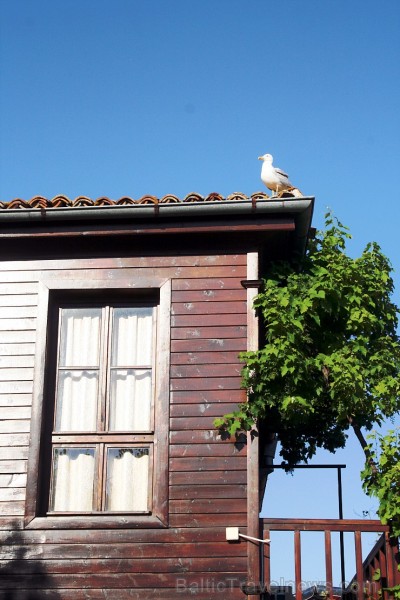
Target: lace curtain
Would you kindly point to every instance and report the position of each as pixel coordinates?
(127, 403)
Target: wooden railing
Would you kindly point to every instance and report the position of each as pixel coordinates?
(384, 556)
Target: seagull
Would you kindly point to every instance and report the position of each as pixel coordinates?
(275, 179)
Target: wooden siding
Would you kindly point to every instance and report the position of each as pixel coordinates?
(207, 476)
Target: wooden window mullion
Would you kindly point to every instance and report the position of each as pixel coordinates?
(100, 491)
(103, 367)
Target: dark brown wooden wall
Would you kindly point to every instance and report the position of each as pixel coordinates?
(207, 489)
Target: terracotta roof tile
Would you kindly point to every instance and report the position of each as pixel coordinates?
(61, 201)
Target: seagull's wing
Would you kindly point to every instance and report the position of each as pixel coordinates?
(282, 173)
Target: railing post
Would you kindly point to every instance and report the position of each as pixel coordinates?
(267, 563)
(328, 563)
(359, 566)
(393, 575)
(297, 564)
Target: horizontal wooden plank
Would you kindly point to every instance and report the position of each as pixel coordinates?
(210, 283)
(22, 312)
(214, 449)
(199, 383)
(114, 536)
(220, 320)
(189, 520)
(209, 295)
(176, 581)
(214, 409)
(124, 565)
(15, 399)
(16, 387)
(188, 333)
(196, 506)
(10, 374)
(201, 358)
(127, 262)
(196, 437)
(20, 289)
(14, 439)
(207, 396)
(191, 423)
(16, 362)
(182, 492)
(120, 551)
(207, 463)
(15, 412)
(13, 452)
(17, 349)
(16, 337)
(176, 592)
(13, 481)
(208, 477)
(212, 345)
(12, 466)
(17, 325)
(18, 300)
(10, 524)
(209, 308)
(12, 509)
(15, 426)
(167, 272)
(11, 494)
(208, 370)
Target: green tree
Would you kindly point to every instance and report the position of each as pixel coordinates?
(330, 362)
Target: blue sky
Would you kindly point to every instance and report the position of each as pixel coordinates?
(128, 97)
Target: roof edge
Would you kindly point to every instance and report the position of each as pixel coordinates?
(144, 211)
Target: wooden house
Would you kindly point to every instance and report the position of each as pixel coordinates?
(121, 324)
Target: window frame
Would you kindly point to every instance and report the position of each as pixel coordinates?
(134, 288)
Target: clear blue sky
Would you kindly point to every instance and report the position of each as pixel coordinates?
(128, 97)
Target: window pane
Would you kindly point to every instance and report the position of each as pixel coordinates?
(80, 337)
(73, 477)
(127, 479)
(76, 408)
(132, 337)
(130, 400)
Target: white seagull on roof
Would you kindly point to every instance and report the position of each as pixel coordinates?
(275, 179)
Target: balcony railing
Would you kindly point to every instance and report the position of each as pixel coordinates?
(373, 575)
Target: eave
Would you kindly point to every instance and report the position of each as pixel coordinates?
(256, 215)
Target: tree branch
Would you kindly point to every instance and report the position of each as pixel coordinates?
(364, 445)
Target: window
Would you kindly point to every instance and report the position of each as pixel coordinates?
(104, 394)
(99, 438)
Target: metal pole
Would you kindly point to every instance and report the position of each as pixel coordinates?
(341, 534)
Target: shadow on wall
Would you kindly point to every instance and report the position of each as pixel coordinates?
(22, 578)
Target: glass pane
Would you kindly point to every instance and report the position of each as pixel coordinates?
(76, 405)
(73, 478)
(80, 337)
(127, 479)
(130, 400)
(132, 337)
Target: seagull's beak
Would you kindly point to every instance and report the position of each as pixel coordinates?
(260, 158)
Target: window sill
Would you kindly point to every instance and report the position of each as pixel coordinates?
(97, 522)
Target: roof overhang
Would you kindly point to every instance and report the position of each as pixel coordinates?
(256, 216)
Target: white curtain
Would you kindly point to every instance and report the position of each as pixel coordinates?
(76, 408)
(76, 401)
(73, 475)
(132, 337)
(130, 400)
(80, 337)
(130, 388)
(127, 479)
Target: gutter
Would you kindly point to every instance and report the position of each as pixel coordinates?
(143, 211)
